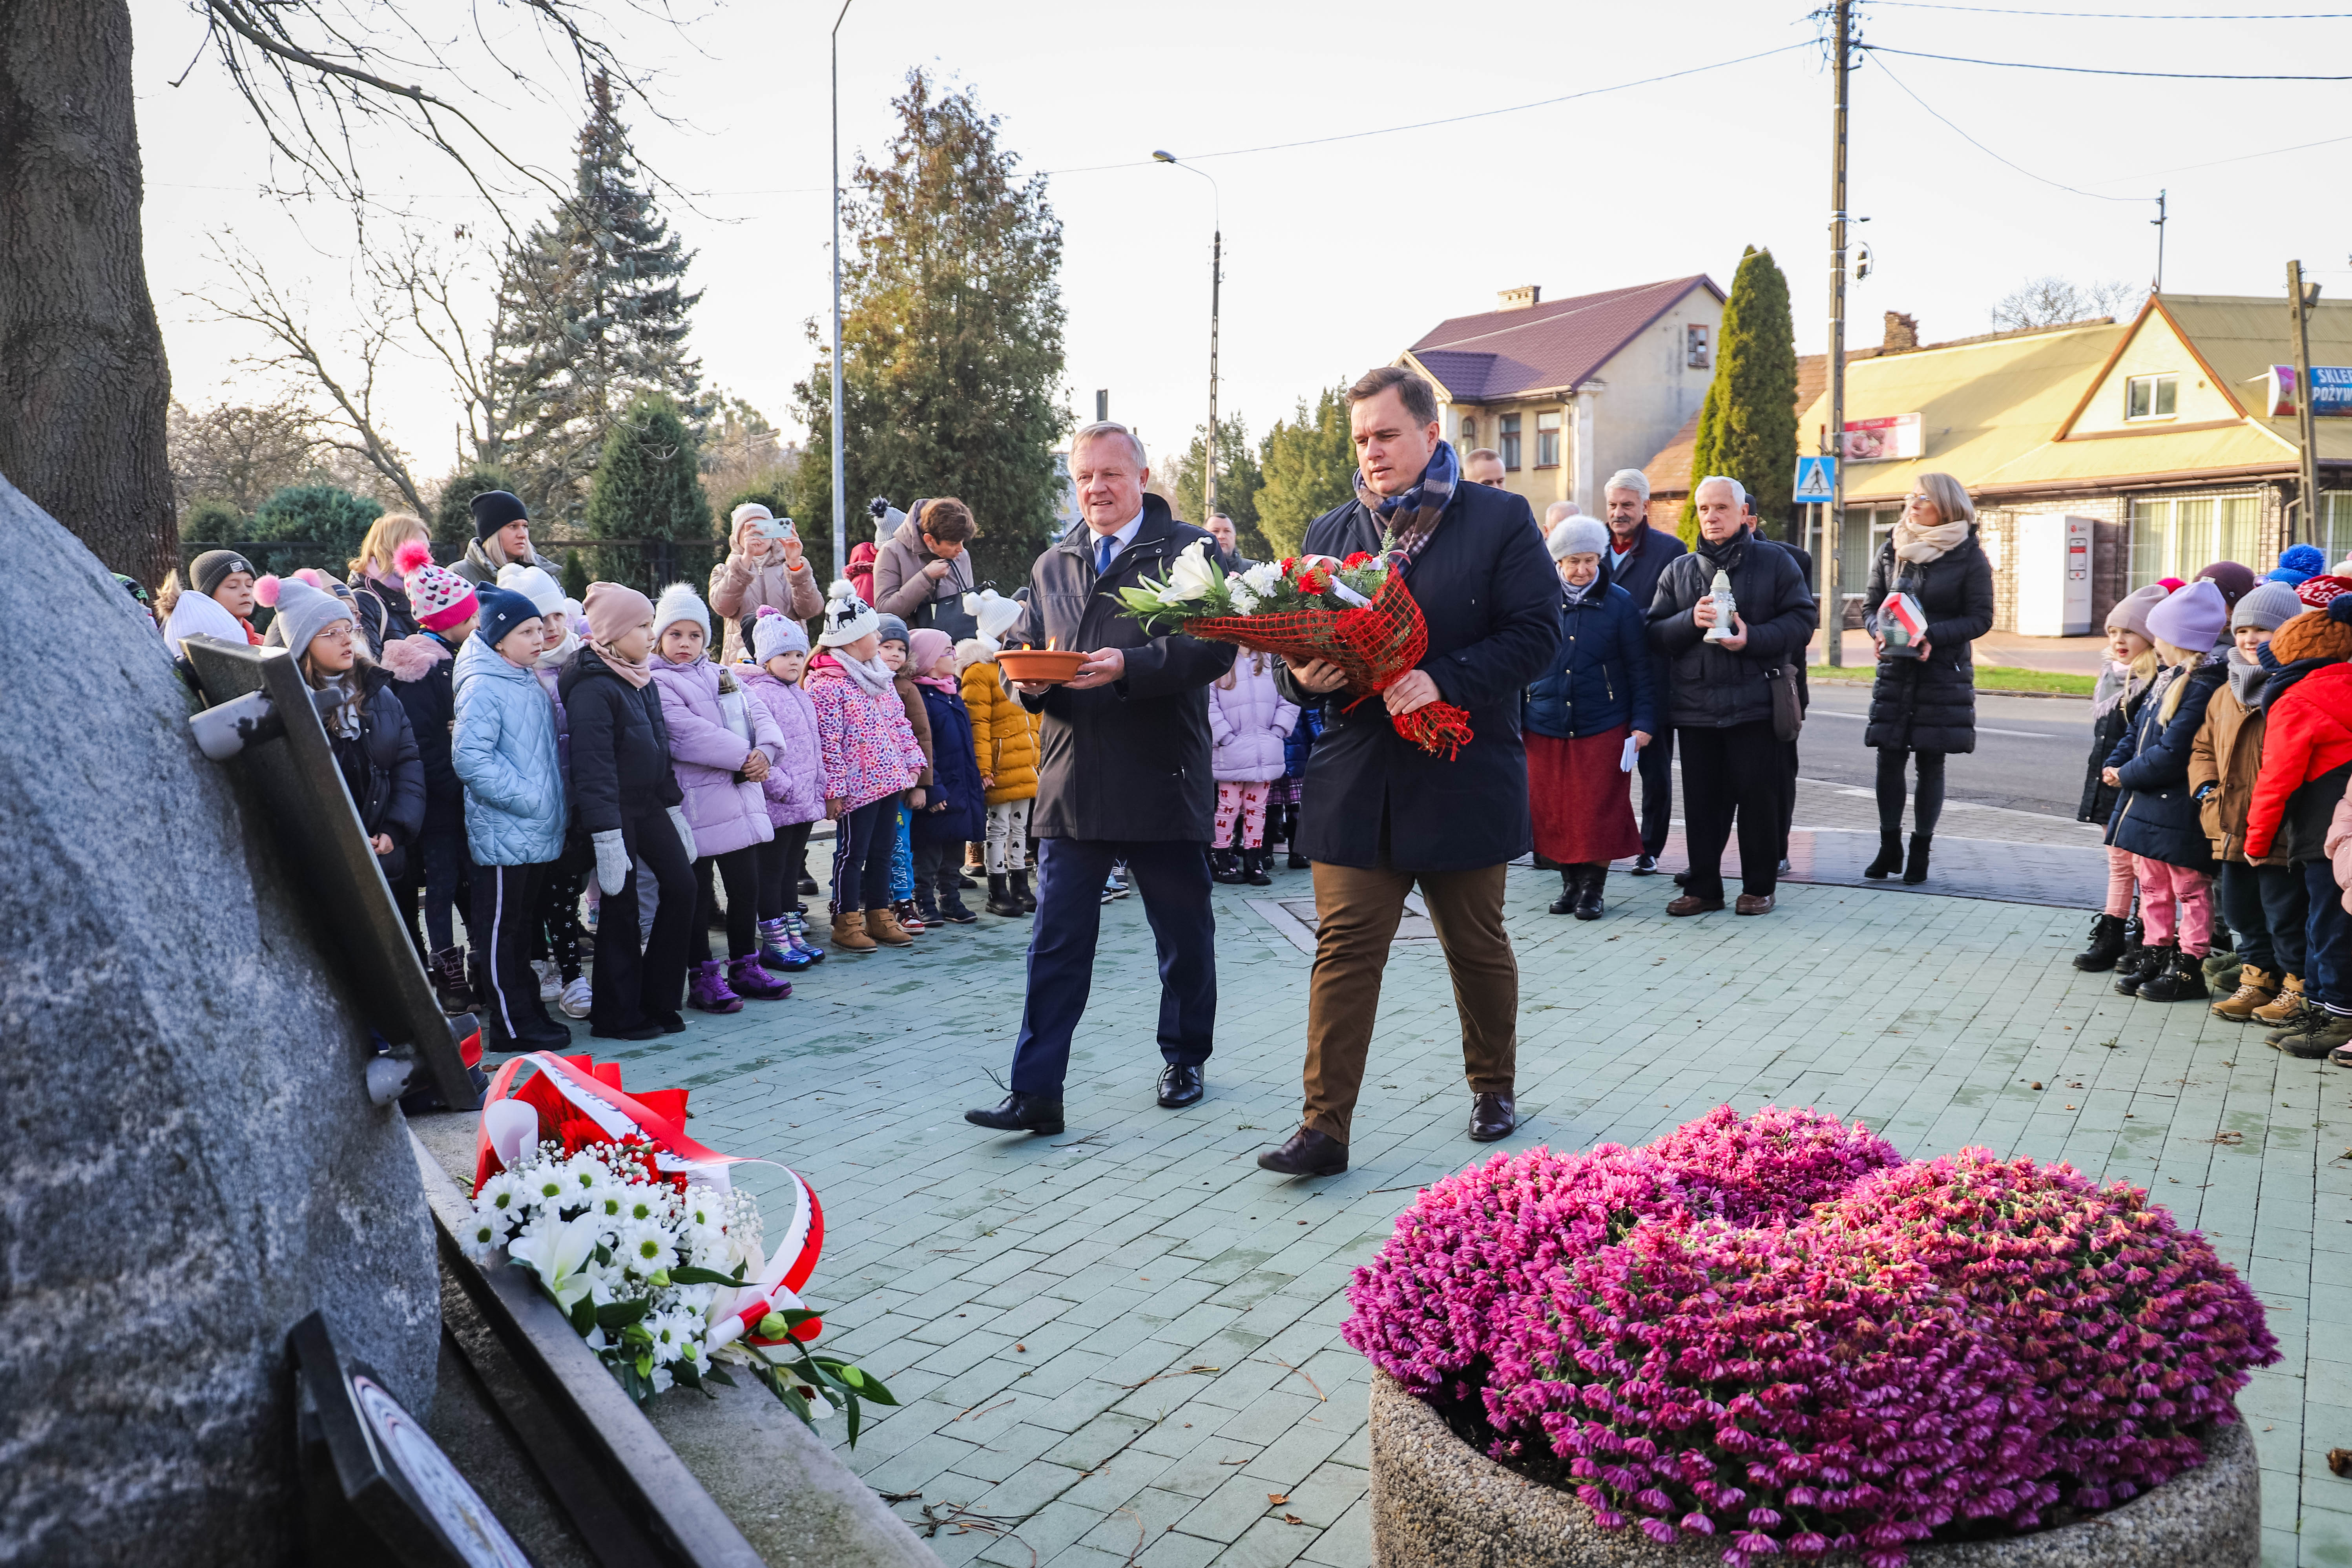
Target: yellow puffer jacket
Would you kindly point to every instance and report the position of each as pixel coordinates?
(1004, 733)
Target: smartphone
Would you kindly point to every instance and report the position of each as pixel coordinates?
(776, 528)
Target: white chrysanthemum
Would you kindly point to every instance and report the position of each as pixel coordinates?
(1244, 601)
(503, 1194)
(1261, 577)
(643, 1250)
(642, 1204)
(483, 1236)
(582, 1174)
(675, 1335)
(662, 1380)
(704, 1208)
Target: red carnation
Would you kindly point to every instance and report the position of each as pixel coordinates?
(1360, 558)
(1314, 581)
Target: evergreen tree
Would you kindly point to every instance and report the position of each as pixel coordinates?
(453, 514)
(646, 488)
(576, 575)
(592, 312)
(1239, 478)
(331, 520)
(951, 337)
(1747, 425)
(1308, 465)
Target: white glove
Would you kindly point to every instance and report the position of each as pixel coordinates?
(1625, 758)
(684, 833)
(612, 861)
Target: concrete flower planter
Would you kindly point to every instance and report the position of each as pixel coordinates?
(1439, 1503)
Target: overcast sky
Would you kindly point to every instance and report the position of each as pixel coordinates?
(1337, 256)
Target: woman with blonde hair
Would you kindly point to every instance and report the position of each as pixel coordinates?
(1924, 701)
(384, 613)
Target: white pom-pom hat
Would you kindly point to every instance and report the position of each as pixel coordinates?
(847, 617)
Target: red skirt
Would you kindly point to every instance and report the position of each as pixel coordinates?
(1583, 805)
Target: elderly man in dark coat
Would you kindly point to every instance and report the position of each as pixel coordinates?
(1733, 762)
(1122, 774)
(1379, 815)
(1637, 554)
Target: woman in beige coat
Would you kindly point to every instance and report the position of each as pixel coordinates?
(760, 571)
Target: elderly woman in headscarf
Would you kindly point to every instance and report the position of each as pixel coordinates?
(1588, 718)
(1924, 701)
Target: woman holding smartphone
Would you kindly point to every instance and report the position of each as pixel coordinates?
(764, 566)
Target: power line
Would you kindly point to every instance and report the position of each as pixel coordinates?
(1993, 156)
(2126, 16)
(2095, 71)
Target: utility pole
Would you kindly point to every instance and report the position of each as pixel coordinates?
(1216, 285)
(1834, 439)
(2300, 298)
(2158, 221)
(840, 502)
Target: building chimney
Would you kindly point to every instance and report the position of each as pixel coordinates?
(1520, 299)
(1902, 334)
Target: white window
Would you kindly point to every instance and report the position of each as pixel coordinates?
(1547, 440)
(2182, 535)
(1696, 353)
(2151, 396)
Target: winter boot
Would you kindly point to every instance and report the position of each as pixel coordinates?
(749, 977)
(885, 927)
(1224, 866)
(797, 926)
(2255, 988)
(1021, 891)
(903, 911)
(1253, 865)
(1914, 869)
(777, 952)
(2179, 981)
(449, 986)
(1566, 903)
(708, 992)
(1590, 883)
(1001, 900)
(1890, 858)
(927, 907)
(2107, 945)
(2322, 1033)
(2283, 1007)
(2134, 954)
(2150, 963)
(951, 905)
(849, 933)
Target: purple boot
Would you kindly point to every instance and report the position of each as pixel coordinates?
(748, 979)
(709, 992)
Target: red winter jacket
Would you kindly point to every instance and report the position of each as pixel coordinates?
(2308, 733)
(861, 570)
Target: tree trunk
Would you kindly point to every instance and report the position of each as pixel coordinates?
(83, 383)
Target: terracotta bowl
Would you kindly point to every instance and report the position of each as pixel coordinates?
(1040, 663)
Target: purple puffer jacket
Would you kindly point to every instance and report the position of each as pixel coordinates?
(708, 716)
(795, 786)
(1248, 722)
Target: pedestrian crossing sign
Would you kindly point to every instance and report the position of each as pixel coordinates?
(1816, 479)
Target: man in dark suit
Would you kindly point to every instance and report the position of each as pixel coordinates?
(1379, 815)
(1637, 553)
(1122, 775)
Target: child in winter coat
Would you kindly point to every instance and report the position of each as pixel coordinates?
(2263, 900)
(226, 579)
(626, 801)
(955, 805)
(722, 745)
(1248, 721)
(870, 760)
(2307, 760)
(794, 788)
(893, 654)
(2131, 669)
(556, 937)
(422, 667)
(375, 749)
(1004, 744)
(2154, 817)
(516, 811)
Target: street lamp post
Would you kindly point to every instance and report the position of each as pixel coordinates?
(1216, 284)
(840, 503)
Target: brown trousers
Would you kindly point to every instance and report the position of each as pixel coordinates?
(1357, 913)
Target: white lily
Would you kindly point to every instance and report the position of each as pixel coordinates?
(560, 1252)
(1193, 575)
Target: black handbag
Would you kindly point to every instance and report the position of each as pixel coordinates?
(1788, 706)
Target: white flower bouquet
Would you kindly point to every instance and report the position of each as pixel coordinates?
(638, 1236)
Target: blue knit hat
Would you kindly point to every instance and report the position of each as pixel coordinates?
(2298, 563)
(503, 609)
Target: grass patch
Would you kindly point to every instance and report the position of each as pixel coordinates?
(1990, 677)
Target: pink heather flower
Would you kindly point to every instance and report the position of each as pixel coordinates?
(1773, 1330)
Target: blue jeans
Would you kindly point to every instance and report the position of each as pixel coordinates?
(1173, 881)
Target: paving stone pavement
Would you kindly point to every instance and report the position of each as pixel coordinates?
(1123, 1343)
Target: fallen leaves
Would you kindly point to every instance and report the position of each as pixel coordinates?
(2339, 1461)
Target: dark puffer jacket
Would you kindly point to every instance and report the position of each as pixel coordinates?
(383, 769)
(1713, 688)
(1931, 704)
(2098, 796)
(620, 747)
(2155, 815)
(1603, 675)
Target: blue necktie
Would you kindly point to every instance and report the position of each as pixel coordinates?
(1103, 552)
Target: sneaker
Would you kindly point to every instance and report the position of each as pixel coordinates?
(576, 997)
(1646, 865)
(1113, 888)
(709, 992)
(908, 920)
(551, 979)
(953, 911)
(2324, 1034)
(806, 886)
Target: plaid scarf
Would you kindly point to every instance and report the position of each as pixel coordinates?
(1411, 516)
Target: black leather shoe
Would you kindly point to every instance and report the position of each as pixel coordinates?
(1019, 1113)
(1492, 1116)
(1682, 879)
(1309, 1153)
(1179, 1085)
(1587, 893)
(1645, 865)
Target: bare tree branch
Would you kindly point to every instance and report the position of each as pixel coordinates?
(431, 290)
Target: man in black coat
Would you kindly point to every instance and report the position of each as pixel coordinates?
(1122, 775)
(1637, 553)
(1733, 761)
(1378, 814)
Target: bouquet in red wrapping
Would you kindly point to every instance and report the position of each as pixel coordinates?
(1354, 614)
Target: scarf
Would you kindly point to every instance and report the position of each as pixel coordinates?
(1924, 544)
(1726, 557)
(873, 676)
(1411, 516)
(637, 673)
(2112, 690)
(553, 658)
(1576, 595)
(2245, 677)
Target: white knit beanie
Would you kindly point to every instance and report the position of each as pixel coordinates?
(847, 617)
(532, 582)
(679, 602)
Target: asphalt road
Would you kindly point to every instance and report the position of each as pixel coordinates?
(2030, 750)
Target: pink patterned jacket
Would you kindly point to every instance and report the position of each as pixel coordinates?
(870, 749)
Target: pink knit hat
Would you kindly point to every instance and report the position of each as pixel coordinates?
(440, 597)
(925, 647)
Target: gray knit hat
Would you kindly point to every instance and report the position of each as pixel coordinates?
(892, 628)
(2268, 606)
(303, 611)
